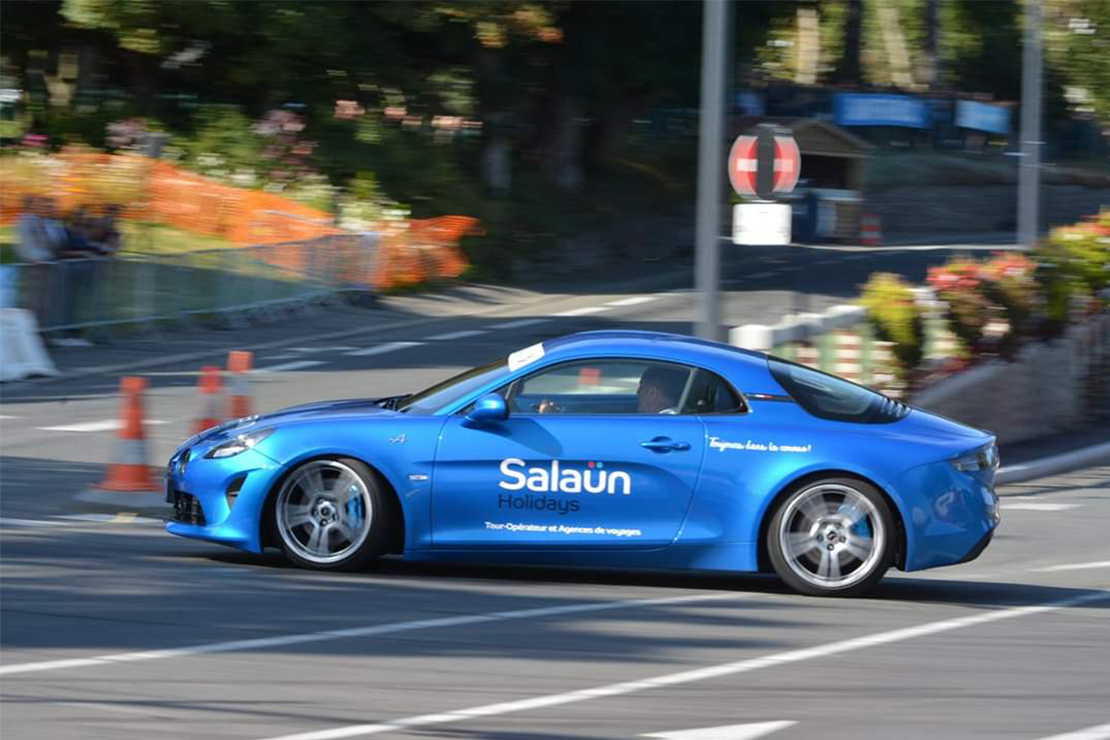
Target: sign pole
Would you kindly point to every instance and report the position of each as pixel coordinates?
(1029, 173)
(710, 136)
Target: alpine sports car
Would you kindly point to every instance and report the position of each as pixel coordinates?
(610, 449)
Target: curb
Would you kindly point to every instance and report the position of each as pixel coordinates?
(1053, 464)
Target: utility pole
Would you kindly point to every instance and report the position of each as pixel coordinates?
(711, 164)
(1029, 174)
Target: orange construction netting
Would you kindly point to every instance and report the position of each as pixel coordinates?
(407, 251)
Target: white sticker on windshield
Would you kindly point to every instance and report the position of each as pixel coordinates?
(525, 356)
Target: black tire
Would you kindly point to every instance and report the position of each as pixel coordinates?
(332, 514)
(832, 537)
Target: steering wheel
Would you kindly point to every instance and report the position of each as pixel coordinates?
(547, 406)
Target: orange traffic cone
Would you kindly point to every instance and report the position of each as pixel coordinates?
(129, 471)
(211, 385)
(239, 363)
(870, 230)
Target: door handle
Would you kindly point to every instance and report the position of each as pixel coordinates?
(664, 444)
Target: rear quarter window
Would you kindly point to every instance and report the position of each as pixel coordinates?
(829, 397)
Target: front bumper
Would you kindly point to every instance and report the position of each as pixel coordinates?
(220, 500)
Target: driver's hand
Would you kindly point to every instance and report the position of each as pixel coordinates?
(547, 407)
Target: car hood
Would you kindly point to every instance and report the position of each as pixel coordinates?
(350, 408)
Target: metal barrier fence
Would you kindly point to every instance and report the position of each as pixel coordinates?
(134, 288)
(842, 341)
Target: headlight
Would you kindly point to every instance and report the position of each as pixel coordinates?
(241, 443)
(985, 458)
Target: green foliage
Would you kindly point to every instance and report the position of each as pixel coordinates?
(1077, 46)
(224, 142)
(896, 317)
(1072, 268)
(982, 45)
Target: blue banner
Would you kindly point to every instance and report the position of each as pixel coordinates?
(982, 117)
(862, 109)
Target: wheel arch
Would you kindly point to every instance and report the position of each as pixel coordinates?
(763, 560)
(269, 538)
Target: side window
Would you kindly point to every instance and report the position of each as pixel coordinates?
(615, 386)
(711, 394)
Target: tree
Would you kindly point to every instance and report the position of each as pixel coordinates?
(848, 68)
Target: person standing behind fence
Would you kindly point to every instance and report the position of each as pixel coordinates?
(104, 231)
(38, 244)
(104, 235)
(77, 275)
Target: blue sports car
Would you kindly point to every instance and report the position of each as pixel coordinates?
(611, 449)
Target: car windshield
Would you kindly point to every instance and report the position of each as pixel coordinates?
(431, 400)
(829, 397)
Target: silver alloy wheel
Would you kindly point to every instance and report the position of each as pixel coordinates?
(324, 512)
(831, 535)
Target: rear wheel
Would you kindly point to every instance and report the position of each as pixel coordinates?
(331, 515)
(832, 537)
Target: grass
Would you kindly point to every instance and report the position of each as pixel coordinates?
(152, 238)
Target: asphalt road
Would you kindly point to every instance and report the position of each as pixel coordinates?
(117, 630)
(111, 628)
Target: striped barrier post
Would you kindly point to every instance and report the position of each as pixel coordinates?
(239, 364)
(128, 470)
(210, 387)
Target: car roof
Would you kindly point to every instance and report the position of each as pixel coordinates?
(656, 344)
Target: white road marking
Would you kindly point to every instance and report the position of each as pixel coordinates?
(309, 350)
(761, 275)
(748, 731)
(287, 366)
(519, 323)
(582, 311)
(456, 335)
(365, 631)
(1036, 506)
(697, 674)
(5, 416)
(10, 522)
(1073, 566)
(382, 349)
(108, 425)
(633, 301)
(1101, 732)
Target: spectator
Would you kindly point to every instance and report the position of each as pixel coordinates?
(77, 275)
(104, 231)
(38, 244)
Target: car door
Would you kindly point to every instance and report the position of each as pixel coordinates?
(585, 459)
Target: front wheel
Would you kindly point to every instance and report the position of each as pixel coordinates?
(832, 537)
(331, 515)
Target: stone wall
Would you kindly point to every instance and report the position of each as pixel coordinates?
(1050, 387)
(921, 210)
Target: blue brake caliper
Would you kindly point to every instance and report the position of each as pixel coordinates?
(862, 528)
(355, 511)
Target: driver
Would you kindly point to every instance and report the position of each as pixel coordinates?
(660, 389)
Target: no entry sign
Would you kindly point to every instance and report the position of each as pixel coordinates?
(764, 163)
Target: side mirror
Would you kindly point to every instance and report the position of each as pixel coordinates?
(489, 408)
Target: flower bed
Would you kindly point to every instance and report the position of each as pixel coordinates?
(1032, 333)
